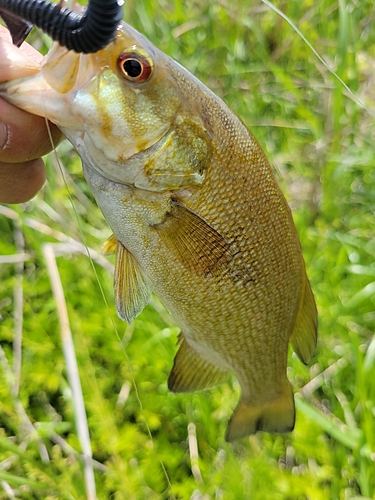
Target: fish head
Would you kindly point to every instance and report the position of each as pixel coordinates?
(123, 109)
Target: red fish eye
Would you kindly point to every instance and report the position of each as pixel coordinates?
(134, 67)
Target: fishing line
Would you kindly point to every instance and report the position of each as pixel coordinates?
(61, 168)
(299, 32)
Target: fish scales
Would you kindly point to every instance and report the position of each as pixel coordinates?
(197, 217)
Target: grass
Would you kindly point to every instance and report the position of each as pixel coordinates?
(146, 442)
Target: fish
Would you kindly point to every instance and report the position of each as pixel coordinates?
(196, 214)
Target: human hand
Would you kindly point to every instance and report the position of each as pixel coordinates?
(24, 137)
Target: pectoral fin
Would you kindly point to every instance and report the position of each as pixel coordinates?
(192, 373)
(196, 244)
(304, 335)
(132, 290)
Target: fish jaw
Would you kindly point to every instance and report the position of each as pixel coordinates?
(31, 92)
(34, 95)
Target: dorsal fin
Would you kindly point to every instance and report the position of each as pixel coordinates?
(304, 335)
(192, 373)
(132, 289)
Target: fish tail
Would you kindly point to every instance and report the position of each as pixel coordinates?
(277, 415)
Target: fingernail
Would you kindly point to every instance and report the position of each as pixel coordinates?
(4, 136)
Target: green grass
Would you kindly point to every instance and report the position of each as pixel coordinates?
(321, 142)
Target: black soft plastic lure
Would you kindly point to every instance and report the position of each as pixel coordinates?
(88, 32)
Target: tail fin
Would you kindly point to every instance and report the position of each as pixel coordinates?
(275, 416)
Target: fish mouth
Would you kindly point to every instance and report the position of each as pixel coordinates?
(33, 94)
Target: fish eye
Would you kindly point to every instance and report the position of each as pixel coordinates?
(135, 67)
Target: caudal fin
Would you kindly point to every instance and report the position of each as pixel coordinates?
(275, 416)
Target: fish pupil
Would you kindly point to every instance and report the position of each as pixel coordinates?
(133, 68)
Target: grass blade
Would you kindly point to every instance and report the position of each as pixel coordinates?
(72, 369)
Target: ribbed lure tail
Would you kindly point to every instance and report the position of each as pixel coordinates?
(88, 32)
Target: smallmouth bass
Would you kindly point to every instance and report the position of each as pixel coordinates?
(196, 214)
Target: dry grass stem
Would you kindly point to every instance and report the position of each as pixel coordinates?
(18, 308)
(193, 452)
(74, 245)
(15, 258)
(8, 490)
(123, 395)
(72, 369)
(26, 428)
(69, 450)
(320, 379)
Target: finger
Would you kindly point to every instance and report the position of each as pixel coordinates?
(21, 182)
(17, 62)
(25, 47)
(24, 137)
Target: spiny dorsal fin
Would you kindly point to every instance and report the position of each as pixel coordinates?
(197, 245)
(132, 290)
(192, 373)
(304, 335)
(110, 246)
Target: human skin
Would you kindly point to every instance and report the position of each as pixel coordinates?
(24, 138)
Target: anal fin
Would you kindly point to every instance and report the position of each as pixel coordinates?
(304, 334)
(132, 290)
(192, 373)
(277, 415)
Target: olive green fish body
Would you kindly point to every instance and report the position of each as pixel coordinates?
(197, 217)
